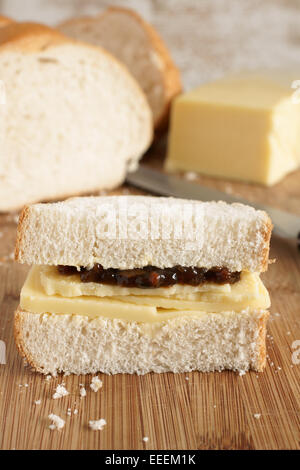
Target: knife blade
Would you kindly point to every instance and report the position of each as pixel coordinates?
(285, 224)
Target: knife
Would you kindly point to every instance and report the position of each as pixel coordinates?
(285, 224)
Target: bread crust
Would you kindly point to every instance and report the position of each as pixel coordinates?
(20, 231)
(34, 37)
(262, 328)
(267, 238)
(29, 37)
(170, 73)
(4, 20)
(19, 341)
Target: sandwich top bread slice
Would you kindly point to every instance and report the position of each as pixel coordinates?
(133, 284)
(136, 43)
(74, 119)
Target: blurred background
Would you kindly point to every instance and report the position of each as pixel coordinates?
(207, 37)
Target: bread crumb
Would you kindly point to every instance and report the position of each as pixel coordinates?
(75, 412)
(97, 425)
(228, 189)
(38, 402)
(60, 392)
(82, 391)
(48, 377)
(57, 422)
(145, 439)
(242, 372)
(190, 176)
(96, 384)
(257, 415)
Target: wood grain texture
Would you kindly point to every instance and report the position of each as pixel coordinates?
(181, 411)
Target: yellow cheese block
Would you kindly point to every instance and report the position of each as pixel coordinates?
(245, 127)
(250, 292)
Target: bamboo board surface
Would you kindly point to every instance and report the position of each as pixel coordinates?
(181, 411)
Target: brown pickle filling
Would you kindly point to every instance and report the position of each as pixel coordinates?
(151, 277)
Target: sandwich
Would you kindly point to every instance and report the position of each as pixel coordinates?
(138, 284)
(133, 41)
(74, 119)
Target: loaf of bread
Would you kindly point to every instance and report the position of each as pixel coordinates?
(137, 44)
(75, 120)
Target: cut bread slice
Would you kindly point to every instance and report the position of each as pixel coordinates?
(75, 121)
(79, 345)
(136, 43)
(128, 232)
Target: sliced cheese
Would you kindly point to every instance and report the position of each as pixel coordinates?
(245, 127)
(54, 282)
(140, 308)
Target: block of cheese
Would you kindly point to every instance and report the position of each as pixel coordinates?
(244, 127)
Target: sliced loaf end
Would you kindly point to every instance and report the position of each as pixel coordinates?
(138, 45)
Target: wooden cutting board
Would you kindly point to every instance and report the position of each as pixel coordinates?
(182, 411)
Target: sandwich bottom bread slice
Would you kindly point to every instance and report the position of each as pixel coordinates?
(134, 284)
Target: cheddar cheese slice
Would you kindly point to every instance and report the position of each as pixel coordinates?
(248, 292)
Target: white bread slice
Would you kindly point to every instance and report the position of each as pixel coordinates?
(80, 232)
(75, 344)
(74, 121)
(5, 21)
(136, 43)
